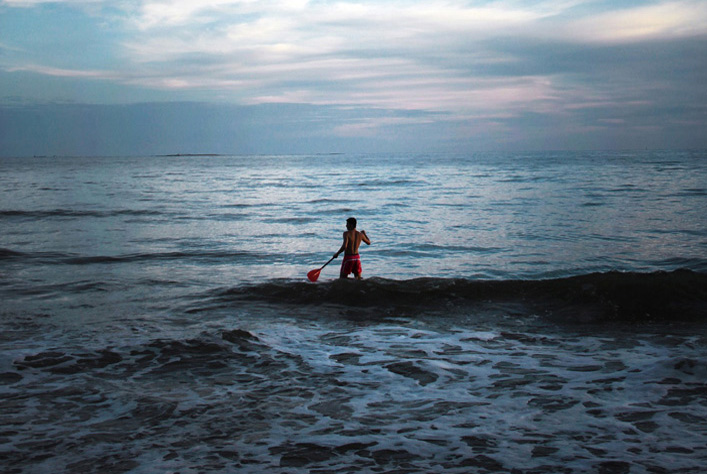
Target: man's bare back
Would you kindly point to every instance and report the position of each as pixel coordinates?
(352, 241)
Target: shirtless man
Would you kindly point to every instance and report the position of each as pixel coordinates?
(352, 240)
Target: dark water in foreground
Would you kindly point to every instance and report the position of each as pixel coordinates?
(523, 313)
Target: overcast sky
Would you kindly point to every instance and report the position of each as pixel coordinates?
(222, 76)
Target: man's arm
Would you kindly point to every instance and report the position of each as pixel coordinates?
(365, 238)
(343, 246)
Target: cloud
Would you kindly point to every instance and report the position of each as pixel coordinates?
(667, 20)
(374, 54)
(32, 3)
(499, 64)
(61, 72)
(382, 54)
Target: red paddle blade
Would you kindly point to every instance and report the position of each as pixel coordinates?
(314, 274)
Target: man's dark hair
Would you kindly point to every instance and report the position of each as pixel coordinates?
(351, 222)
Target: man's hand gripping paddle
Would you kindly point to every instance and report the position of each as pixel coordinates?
(314, 274)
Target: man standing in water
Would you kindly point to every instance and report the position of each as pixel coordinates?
(352, 240)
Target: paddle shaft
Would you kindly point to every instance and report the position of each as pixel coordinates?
(332, 258)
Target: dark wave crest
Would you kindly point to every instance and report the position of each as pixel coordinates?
(49, 213)
(56, 258)
(658, 296)
(146, 257)
(7, 254)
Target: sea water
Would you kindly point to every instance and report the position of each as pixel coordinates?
(521, 312)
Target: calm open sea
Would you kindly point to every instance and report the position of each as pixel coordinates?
(528, 313)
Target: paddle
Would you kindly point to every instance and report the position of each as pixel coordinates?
(314, 274)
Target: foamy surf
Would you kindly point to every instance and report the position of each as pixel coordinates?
(367, 398)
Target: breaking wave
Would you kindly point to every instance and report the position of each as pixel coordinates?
(677, 295)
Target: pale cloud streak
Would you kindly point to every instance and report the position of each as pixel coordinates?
(668, 20)
(61, 72)
(32, 3)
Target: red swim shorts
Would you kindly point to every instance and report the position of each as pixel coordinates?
(351, 264)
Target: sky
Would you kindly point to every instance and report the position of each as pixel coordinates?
(132, 77)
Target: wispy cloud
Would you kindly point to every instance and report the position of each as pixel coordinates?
(666, 20)
(413, 54)
(374, 54)
(61, 72)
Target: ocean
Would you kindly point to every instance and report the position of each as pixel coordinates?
(519, 313)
